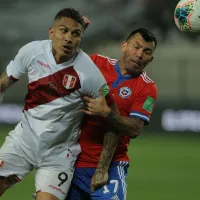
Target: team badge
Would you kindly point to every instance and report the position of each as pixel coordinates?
(1, 163)
(69, 81)
(125, 92)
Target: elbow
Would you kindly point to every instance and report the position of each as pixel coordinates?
(134, 134)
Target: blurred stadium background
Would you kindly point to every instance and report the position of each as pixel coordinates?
(165, 159)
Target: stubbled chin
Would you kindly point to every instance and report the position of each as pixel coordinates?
(134, 72)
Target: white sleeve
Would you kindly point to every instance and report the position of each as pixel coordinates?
(94, 82)
(19, 65)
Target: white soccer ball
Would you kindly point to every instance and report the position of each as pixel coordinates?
(187, 15)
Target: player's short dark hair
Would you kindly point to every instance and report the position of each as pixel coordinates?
(70, 13)
(146, 34)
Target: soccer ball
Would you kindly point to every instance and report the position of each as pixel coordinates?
(187, 15)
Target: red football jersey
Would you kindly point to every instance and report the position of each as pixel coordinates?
(135, 97)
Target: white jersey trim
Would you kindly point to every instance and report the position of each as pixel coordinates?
(140, 115)
(110, 60)
(146, 78)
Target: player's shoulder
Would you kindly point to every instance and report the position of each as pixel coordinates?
(36, 47)
(146, 82)
(37, 44)
(83, 59)
(145, 79)
(87, 70)
(101, 58)
(83, 63)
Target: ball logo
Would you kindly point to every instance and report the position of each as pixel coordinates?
(125, 92)
(69, 81)
(186, 15)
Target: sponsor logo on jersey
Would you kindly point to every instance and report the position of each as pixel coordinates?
(57, 189)
(125, 92)
(1, 163)
(43, 64)
(69, 81)
(148, 104)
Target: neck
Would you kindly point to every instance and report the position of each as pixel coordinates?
(60, 59)
(122, 68)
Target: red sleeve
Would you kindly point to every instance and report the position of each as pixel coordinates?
(94, 57)
(97, 62)
(144, 102)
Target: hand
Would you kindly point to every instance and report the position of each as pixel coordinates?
(96, 107)
(86, 21)
(99, 179)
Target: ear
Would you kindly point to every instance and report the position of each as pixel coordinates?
(151, 59)
(51, 31)
(123, 46)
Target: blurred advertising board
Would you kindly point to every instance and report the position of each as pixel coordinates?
(165, 118)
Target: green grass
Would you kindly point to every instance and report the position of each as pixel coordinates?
(162, 168)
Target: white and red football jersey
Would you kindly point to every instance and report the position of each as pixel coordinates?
(52, 116)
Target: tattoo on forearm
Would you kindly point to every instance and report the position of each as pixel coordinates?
(109, 146)
(125, 125)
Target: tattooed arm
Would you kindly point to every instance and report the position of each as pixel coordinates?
(124, 125)
(100, 177)
(5, 82)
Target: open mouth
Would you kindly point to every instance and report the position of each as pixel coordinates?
(67, 48)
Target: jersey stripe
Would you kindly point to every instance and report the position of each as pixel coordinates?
(111, 61)
(51, 87)
(139, 115)
(122, 176)
(145, 74)
(146, 78)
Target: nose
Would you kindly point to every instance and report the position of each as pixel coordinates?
(140, 53)
(68, 37)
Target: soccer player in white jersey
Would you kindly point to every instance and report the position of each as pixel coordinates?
(59, 74)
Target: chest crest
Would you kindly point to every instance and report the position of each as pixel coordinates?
(125, 92)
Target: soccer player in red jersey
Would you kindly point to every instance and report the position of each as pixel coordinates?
(135, 95)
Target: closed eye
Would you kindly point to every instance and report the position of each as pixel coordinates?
(136, 46)
(148, 52)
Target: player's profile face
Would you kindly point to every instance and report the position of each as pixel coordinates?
(66, 35)
(137, 53)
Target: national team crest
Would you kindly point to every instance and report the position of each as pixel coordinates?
(125, 92)
(69, 81)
